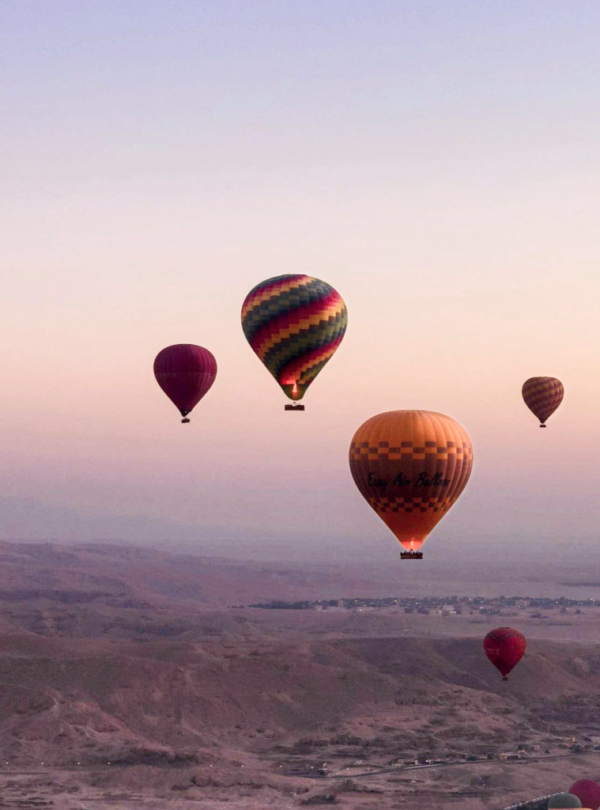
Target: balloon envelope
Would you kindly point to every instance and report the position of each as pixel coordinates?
(563, 800)
(185, 373)
(504, 647)
(588, 793)
(411, 467)
(294, 324)
(542, 396)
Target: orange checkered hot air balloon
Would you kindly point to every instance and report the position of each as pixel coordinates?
(411, 467)
(294, 323)
(542, 396)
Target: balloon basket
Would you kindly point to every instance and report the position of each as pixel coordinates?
(294, 407)
(185, 421)
(542, 425)
(411, 555)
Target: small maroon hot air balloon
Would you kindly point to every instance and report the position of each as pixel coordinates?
(505, 648)
(542, 396)
(588, 793)
(185, 373)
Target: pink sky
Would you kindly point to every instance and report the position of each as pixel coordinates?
(452, 203)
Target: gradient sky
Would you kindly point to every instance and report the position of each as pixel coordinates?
(436, 162)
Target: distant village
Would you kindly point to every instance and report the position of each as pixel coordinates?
(443, 605)
(360, 762)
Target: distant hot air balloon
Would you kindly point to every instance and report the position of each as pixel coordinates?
(411, 467)
(294, 323)
(563, 801)
(542, 396)
(504, 647)
(588, 793)
(185, 373)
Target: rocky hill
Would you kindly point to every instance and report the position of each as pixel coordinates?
(119, 681)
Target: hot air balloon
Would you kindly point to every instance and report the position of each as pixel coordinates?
(411, 467)
(563, 801)
(542, 396)
(588, 793)
(294, 323)
(504, 647)
(185, 373)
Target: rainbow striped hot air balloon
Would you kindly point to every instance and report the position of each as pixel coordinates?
(294, 323)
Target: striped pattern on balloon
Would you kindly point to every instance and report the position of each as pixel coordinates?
(294, 324)
(542, 396)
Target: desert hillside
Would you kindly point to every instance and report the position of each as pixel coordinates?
(125, 680)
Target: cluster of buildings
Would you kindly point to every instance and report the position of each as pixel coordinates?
(445, 606)
(315, 768)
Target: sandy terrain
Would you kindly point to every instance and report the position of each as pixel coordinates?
(126, 680)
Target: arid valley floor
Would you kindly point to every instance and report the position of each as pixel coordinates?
(141, 678)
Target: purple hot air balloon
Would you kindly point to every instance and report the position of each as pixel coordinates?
(185, 373)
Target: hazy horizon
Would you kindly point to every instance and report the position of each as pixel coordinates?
(436, 165)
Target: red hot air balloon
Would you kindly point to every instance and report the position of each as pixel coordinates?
(505, 648)
(542, 396)
(185, 373)
(588, 793)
